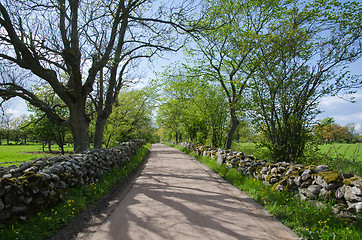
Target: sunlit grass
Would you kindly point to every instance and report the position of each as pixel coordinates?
(346, 150)
(17, 154)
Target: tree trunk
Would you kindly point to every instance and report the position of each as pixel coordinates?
(234, 124)
(98, 133)
(50, 145)
(80, 128)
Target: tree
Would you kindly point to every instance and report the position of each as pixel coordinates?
(227, 49)
(6, 125)
(41, 127)
(198, 104)
(327, 130)
(47, 39)
(302, 58)
(169, 115)
(131, 117)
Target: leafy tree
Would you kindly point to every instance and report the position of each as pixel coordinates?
(302, 58)
(327, 130)
(197, 106)
(226, 51)
(131, 117)
(41, 127)
(169, 115)
(44, 40)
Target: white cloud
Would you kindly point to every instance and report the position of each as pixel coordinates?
(16, 107)
(343, 111)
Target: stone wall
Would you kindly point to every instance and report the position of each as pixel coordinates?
(310, 182)
(44, 182)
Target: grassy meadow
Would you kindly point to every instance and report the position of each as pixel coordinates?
(17, 154)
(346, 150)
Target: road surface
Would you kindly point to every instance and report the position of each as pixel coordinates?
(176, 197)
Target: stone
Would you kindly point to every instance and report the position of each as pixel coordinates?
(358, 207)
(18, 209)
(4, 215)
(290, 170)
(321, 168)
(31, 169)
(28, 200)
(354, 207)
(340, 192)
(350, 195)
(220, 158)
(347, 175)
(306, 183)
(2, 206)
(306, 174)
(326, 194)
(314, 189)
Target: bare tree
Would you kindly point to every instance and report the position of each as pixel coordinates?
(70, 45)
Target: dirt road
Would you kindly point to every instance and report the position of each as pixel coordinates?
(176, 197)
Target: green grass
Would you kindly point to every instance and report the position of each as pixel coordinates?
(17, 154)
(250, 148)
(304, 218)
(48, 221)
(346, 150)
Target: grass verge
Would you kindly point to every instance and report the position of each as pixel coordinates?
(304, 218)
(48, 221)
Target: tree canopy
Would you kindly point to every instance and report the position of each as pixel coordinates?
(74, 45)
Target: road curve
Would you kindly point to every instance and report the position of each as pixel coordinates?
(176, 197)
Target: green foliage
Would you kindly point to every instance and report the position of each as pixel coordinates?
(131, 117)
(41, 128)
(300, 60)
(193, 109)
(48, 221)
(252, 149)
(305, 218)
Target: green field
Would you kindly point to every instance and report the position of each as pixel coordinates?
(16, 154)
(343, 150)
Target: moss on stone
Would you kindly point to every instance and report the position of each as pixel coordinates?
(331, 176)
(312, 167)
(348, 181)
(268, 177)
(275, 185)
(258, 169)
